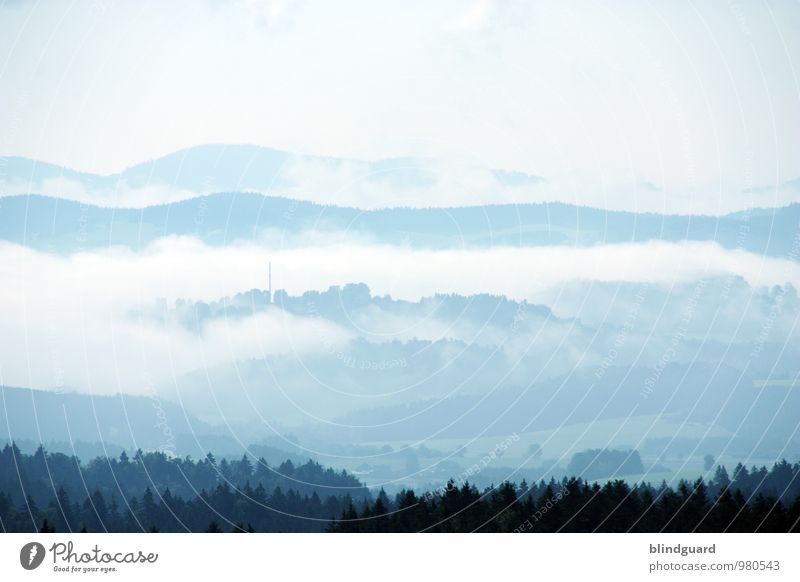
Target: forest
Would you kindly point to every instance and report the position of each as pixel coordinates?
(577, 506)
(154, 492)
(151, 492)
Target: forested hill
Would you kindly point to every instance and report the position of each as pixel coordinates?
(64, 226)
(147, 489)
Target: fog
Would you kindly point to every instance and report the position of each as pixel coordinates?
(86, 321)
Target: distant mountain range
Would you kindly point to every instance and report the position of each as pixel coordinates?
(223, 194)
(211, 168)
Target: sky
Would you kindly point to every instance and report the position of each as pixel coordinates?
(638, 105)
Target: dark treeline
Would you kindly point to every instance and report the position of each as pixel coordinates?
(40, 474)
(218, 510)
(757, 500)
(153, 491)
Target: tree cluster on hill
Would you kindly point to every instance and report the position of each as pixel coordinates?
(153, 491)
(38, 474)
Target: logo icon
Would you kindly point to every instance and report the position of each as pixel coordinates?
(31, 555)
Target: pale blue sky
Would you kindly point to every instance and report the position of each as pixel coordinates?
(691, 102)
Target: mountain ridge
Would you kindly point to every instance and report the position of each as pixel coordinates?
(63, 226)
(374, 184)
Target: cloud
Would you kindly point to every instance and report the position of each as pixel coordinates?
(407, 182)
(472, 18)
(386, 183)
(56, 340)
(122, 195)
(269, 13)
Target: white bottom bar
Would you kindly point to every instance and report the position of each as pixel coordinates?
(354, 557)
